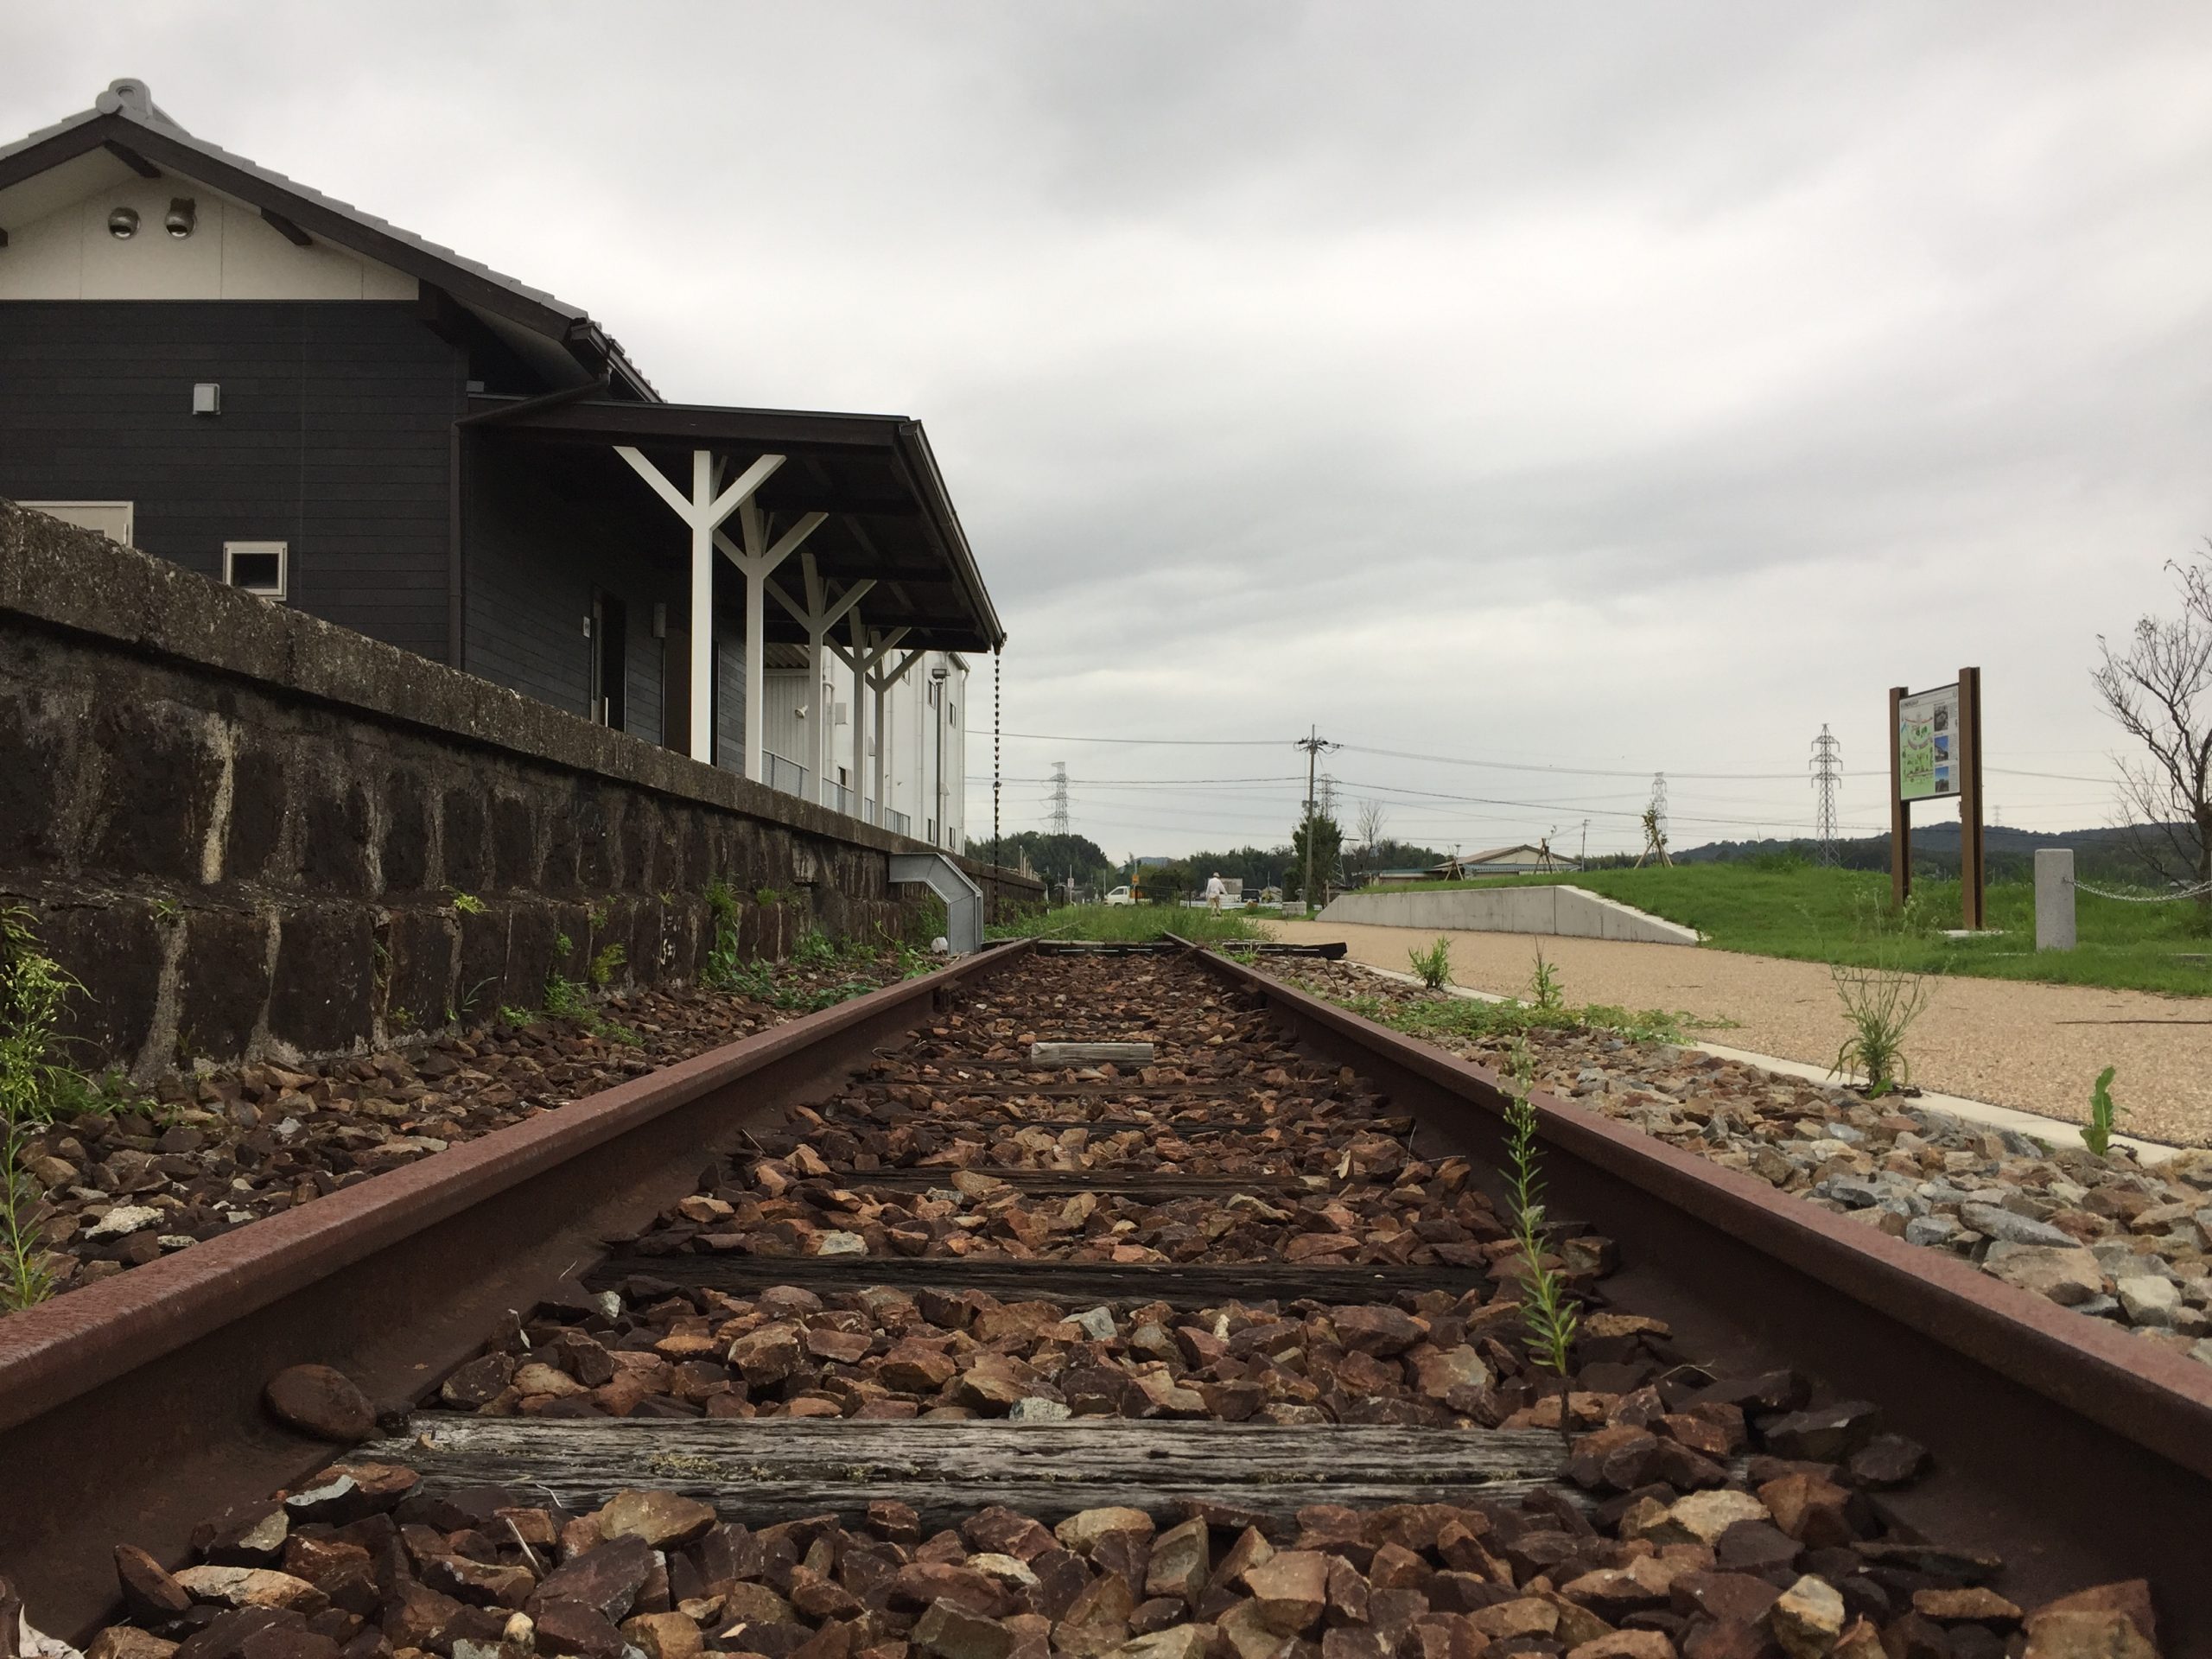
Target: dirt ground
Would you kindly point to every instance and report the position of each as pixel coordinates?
(2035, 1048)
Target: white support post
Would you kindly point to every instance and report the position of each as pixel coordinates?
(880, 684)
(817, 616)
(704, 510)
(756, 558)
(869, 649)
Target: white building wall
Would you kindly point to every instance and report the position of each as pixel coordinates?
(912, 711)
(233, 254)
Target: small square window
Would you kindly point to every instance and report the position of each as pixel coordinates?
(258, 567)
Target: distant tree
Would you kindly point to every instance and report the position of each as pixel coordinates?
(2153, 689)
(1057, 858)
(1255, 866)
(1368, 823)
(1328, 838)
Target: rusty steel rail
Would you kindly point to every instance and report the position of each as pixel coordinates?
(131, 1410)
(2080, 1453)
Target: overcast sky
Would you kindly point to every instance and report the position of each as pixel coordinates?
(1607, 390)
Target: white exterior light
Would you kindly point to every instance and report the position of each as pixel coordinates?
(183, 214)
(122, 224)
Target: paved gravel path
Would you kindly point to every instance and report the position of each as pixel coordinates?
(2038, 1047)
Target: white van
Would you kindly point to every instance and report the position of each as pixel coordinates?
(1120, 896)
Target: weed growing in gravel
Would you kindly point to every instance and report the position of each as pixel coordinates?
(34, 1090)
(1544, 988)
(2096, 1134)
(1880, 1005)
(1548, 1315)
(1433, 967)
(1447, 1019)
(23, 1277)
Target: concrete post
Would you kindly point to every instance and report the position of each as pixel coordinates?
(2054, 899)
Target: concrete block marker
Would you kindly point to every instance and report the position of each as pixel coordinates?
(2054, 899)
(1563, 911)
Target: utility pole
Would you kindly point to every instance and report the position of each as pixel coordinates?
(1827, 779)
(1583, 861)
(1313, 743)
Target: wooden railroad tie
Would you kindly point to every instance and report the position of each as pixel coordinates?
(1091, 1053)
(1072, 1284)
(767, 1470)
(1148, 1183)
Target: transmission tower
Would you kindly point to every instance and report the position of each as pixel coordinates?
(1827, 779)
(1059, 816)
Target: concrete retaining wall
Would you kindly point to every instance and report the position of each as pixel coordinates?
(247, 831)
(1571, 913)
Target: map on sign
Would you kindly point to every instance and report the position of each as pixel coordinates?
(1928, 744)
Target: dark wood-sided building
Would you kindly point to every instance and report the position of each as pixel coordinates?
(218, 366)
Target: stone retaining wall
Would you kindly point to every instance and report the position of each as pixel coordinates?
(248, 831)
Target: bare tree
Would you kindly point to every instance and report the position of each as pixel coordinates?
(1373, 815)
(2154, 689)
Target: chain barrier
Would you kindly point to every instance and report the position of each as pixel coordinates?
(2200, 888)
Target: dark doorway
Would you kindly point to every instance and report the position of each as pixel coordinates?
(610, 632)
(676, 690)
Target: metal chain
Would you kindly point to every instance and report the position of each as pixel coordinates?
(2202, 888)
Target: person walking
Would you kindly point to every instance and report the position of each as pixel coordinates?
(1216, 891)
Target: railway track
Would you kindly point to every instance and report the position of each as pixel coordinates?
(877, 1334)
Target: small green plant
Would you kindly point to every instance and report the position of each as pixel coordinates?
(2096, 1134)
(667, 897)
(34, 1090)
(465, 903)
(511, 1015)
(564, 998)
(1433, 967)
(562, 944)
(815, 949)
(400, 1021)
(604, 964)
(1879, 1004)
(165, 911)
(598, 913)
(24, 1278)
(1545, 991)
(1548, 1315)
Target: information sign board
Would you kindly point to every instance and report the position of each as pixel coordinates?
(1931, 745)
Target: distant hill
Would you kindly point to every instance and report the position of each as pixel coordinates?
(2099, 855)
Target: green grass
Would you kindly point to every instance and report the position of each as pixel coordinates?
(1820, 915)
(1132, 924)
(1444, 1018)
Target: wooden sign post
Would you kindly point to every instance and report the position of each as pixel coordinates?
(1934, 753)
